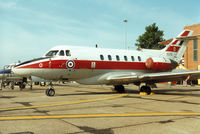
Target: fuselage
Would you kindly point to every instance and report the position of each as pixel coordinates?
(92, 65)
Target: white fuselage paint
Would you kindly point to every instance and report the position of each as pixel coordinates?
(92, 75)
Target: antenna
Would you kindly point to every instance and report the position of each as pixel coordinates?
(125, 21)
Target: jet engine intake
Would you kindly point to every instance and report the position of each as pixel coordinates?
(158, 64)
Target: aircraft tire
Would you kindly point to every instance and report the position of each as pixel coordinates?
(36, 83)
(146, 89)
(42, 84)
(50, 92)
(119, 89)
(142, 89)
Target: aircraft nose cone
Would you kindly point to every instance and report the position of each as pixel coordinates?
(27, 68)
(15, 71)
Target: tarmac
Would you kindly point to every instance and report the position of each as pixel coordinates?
(88, 109)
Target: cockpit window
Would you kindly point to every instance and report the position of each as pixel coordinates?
(61, 53)
(52, 53)
(68, 53)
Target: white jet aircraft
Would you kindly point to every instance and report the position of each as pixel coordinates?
(111, 66)
(8, 78)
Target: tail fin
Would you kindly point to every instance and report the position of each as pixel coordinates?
(176, 48)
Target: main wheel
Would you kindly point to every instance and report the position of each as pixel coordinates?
(142, 89)
(146, 89)
(119, 89)
(50, 92)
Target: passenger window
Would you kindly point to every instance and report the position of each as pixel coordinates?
(139, 58)
(132, 58)
(117, 57)
(125, 58)
(61, 53)
(101, 57)
(68, 53)
(109, 58)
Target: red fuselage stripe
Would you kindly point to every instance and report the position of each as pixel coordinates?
(86, 64)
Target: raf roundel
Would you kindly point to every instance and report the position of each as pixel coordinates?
(40, 65)
(70, 64)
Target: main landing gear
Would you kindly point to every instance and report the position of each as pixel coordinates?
(145, 90)
(119, 88)
(50, 91)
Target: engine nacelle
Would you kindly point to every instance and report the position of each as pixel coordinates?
(158, 64)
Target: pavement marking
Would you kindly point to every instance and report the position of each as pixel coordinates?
(97, 115)
(65, 103)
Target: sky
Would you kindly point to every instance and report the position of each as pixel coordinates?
(29, 28)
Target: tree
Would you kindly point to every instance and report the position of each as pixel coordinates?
(150, 38)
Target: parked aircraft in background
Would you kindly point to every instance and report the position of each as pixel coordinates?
(8, 78)
(110, 66)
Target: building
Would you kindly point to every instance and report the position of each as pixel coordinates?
(192, 53)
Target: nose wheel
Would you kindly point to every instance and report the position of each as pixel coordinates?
(50, 92)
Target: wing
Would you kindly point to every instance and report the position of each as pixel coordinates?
(153, 77)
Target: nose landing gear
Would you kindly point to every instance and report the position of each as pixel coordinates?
(50, 91)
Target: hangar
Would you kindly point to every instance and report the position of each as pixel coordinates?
(192, 53)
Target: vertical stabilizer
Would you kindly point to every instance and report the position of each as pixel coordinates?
(176, 48)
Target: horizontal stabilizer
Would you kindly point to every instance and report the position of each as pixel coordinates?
(188, 37)
(165, 42)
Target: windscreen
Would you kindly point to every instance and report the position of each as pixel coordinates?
(52, 53)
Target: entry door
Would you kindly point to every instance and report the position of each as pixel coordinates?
(93, 65)
(49, 62)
